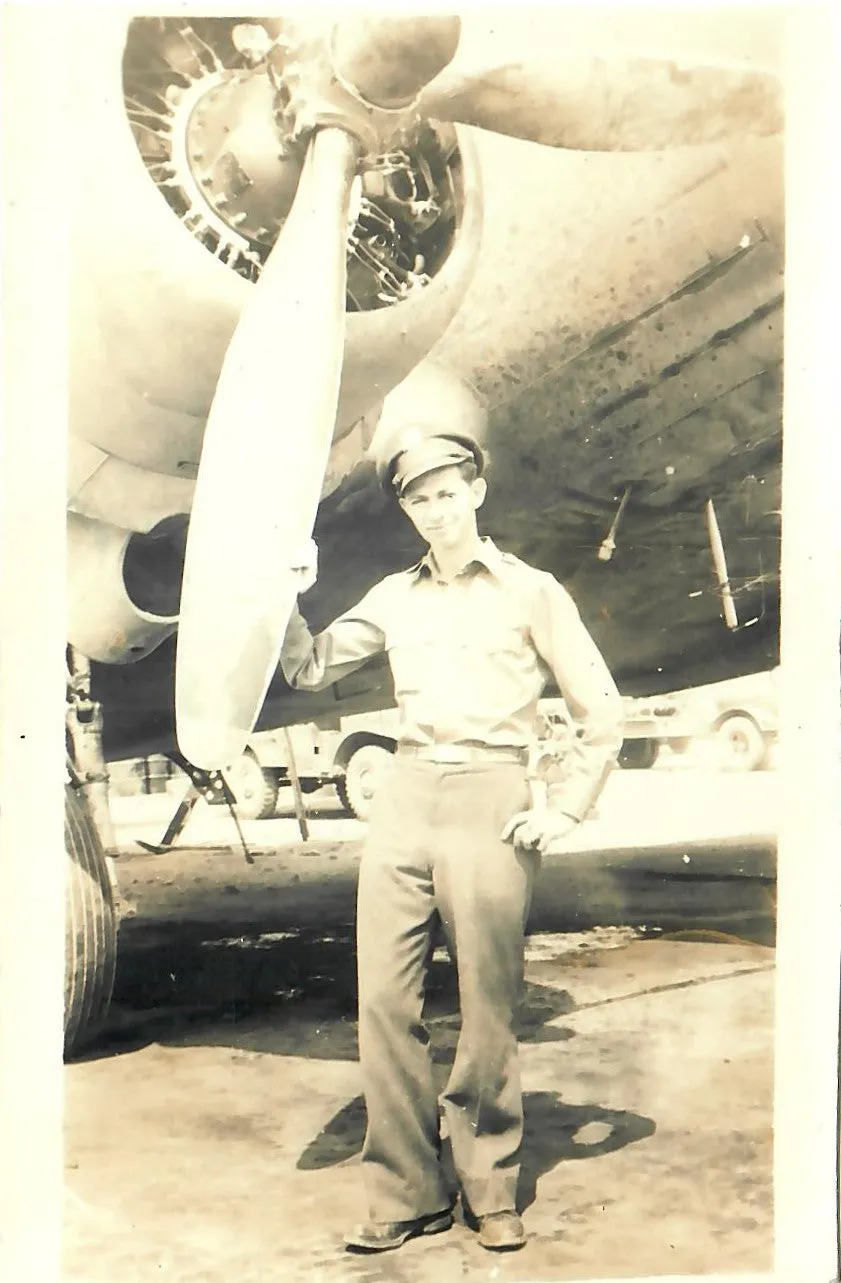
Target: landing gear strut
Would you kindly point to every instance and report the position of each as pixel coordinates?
(84, 736)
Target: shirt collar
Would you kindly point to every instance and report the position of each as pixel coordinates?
(488, 555)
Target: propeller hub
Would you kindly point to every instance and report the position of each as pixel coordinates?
(387, 60)
(222, 113)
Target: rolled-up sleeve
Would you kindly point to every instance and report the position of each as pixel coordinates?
(313, 663)
(591, 696)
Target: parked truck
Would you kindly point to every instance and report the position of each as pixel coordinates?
(734, 723)
(348, 753)
(737, 719)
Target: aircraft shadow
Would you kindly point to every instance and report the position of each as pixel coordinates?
(271, 998)
(264, 982)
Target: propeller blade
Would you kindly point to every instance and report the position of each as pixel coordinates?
(266, 447)
(268, 436)
(587, 103)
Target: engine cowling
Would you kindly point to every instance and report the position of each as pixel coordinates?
(123, 587)
(159, 284)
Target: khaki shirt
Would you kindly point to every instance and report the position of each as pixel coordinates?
(470, 659)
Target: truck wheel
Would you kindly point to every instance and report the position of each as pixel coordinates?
(638, 754)
(254, 788)
(90, 931)
(741, 743)
(357, 786)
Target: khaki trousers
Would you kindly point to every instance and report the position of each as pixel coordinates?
(434, 844)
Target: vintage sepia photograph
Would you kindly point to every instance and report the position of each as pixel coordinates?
(424, 691)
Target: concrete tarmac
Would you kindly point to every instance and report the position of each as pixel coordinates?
(214, 1131)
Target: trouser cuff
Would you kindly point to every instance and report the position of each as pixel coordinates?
(484, 1197)
(390, 1205)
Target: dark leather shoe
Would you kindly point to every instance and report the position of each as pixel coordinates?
(501, 1231)
(384, 1236)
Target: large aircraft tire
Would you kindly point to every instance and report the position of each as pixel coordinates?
(254, 787)
(90, 928)
(357, 786)
(741, 743)
(638, 754)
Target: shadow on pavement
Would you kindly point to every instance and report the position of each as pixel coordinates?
(261, 981)
(270, 997)
(554, 1133)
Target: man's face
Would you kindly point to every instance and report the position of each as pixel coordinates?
(442, 507)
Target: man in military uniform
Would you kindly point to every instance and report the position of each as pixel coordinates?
(472, 634)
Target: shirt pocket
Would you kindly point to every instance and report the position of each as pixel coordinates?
(414, 653)
(460, 656)
(494, 664)
(494, 638)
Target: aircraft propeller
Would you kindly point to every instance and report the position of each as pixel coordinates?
(587, 103)
(269, 431)
(268, 435)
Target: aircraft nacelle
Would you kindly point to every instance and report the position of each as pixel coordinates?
(124, 590)
(186, 178)
(170, 146)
